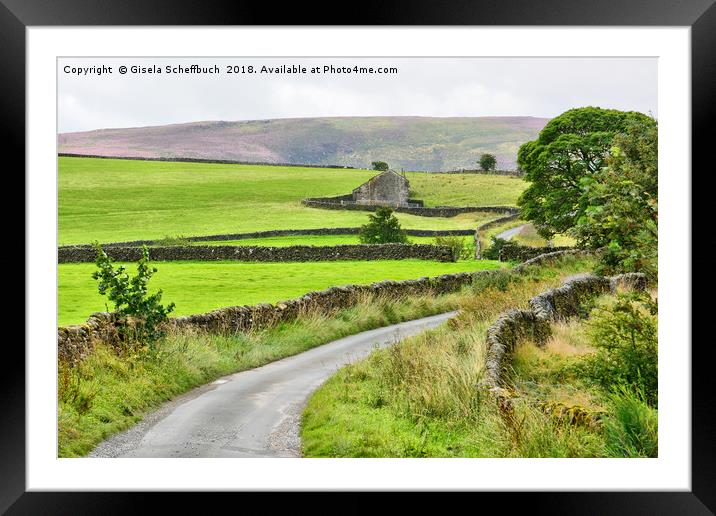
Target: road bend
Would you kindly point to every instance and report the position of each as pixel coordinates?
(254, 413)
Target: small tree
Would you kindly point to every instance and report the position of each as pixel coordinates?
(623, 211)
(379, 165)
(130, 294)
(488, 162)
(382, 228)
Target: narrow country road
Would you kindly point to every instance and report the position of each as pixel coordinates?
(254, 413)
(509, 233)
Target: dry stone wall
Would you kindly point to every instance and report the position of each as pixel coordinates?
(514, 173)
(282, 233)
(547, 257)
(298, 253)
(553, 305)
(487, 225)
(498, 221)
(328, 203)
(519, 253)
(75, 342)
(201, 160)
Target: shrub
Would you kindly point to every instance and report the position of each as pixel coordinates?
(130, 296)
(626, 340)
(382, 228)
(493, 252)
(459, 247)
(631, 429)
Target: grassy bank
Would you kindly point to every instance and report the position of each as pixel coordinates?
(198, 287)
(110, 390)
(420, 397)
(98, 198)
(528, 236)
(571, 408)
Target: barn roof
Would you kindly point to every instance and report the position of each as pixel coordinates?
(375, 178)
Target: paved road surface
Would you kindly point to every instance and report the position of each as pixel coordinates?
(254, 413)
(508, 234)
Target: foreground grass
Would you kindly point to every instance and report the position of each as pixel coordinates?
(557, 397)
(420, 398)
(559, 409)
(114, 200)
(112, 389)
(198, 287)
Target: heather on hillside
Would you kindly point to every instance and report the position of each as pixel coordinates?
(410, 143)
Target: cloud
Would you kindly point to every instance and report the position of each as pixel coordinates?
(422, 87)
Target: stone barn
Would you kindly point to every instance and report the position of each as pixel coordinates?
(388, 188)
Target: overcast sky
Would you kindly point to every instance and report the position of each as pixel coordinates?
(543, 87)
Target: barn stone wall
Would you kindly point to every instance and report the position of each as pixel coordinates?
(388, 188)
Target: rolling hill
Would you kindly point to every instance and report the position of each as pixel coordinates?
(411, 143)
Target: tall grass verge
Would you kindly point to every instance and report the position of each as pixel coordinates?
(111, 390)
(632, 428)
(422, 397)
(583, 393)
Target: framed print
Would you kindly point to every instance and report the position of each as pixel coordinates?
(422, 252)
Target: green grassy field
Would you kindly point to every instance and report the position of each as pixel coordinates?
(317, 240)
(113, 200)
(198, 287)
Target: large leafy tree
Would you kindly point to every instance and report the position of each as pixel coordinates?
(622, 216)
(570, 147)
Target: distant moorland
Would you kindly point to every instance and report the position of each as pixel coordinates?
(410, 143)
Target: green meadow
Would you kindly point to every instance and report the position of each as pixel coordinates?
(315, 240)
(198, 287)
(112, 200)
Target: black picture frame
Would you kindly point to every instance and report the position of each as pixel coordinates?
(700, 15)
